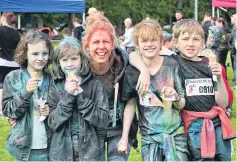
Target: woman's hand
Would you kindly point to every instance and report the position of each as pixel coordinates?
(122, 146)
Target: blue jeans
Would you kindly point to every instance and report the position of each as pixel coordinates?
(112, 153)
(223, 147)
(38, 155)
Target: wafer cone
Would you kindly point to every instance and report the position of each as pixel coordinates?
(72, 76)
(212, 59)
(34, 75)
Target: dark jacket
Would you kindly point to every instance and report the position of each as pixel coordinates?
(16, 102)
(119, 66)
(232, 37)
(224, 32)
(92, 106)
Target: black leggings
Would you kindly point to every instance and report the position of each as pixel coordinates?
(222, 54)
(3, 72)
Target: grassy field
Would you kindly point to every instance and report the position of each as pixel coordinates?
(135, 154)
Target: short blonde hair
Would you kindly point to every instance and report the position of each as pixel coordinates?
(98, 21)
(187, 25)
(147, 30)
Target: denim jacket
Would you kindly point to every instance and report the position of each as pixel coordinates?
(93, 111)
(16, 105)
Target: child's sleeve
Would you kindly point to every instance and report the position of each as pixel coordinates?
(14, 104)
(95, 110)
(177, 82)
(60, 108)
(129, 83)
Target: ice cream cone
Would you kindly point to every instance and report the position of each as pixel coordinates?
(34, 75)
(72, 76)
(212, 59)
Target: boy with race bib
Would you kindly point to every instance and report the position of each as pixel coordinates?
(207, 126)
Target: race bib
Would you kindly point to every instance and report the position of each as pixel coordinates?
(150, 99)
(199, 87)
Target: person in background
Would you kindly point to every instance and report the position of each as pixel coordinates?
(66, 33)
(24, 99)
(9, 38)
(128, 43)
(78, 28)
(207, 21)
(167, 44)
(212, 34)
(178, 15)
(21, 32)
(224, 47)
(67, 36)
(120, 41)
(233, 43)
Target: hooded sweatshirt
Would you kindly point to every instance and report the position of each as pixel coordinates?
(119, 61)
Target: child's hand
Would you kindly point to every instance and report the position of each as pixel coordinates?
(216, 69)
(170, 92)
(32, 85)
(122, 146)
(71, 86)
(12, 122)
(143, 82)
(44, 110)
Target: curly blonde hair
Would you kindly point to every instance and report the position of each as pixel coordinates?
(31, 37)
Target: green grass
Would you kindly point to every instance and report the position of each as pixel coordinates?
(135, 154)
